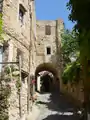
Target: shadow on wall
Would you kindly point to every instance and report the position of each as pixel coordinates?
(75, 91)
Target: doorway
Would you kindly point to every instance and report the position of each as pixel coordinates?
(46, 83)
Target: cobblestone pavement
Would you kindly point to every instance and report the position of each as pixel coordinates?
(55, 107)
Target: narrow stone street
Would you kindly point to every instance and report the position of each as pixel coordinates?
(55, 107)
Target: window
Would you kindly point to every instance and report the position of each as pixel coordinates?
(19, 53)
(48, 50)
(48, 30)
(1, 6)
(1, 54)
(5, 51)
(21, 14)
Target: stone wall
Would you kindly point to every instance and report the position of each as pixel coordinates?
(33, 39)
(14, 113)
(17, 34)
(44, 40)
(20, 37)
(75, 91)
(13, 102)
(53, 41)
(24, 37)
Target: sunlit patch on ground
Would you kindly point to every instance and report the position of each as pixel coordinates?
(54, 108)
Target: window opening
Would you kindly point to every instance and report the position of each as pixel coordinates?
(21, 14)
(48, 30)
(48, 50)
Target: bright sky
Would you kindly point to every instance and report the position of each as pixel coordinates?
(52, 10)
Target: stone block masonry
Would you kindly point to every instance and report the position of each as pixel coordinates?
(26, 36)
(14, 101)
(18, 27)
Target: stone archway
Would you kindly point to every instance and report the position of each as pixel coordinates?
(48, 67)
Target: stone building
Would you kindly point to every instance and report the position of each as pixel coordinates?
(48, 48)
(48, 58)
(38, 44)
(19, 24)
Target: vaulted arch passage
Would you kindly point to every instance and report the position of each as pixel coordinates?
(46, 76)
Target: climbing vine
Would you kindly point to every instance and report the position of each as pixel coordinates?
(13, 73)
(10, 73)
(5, 88)
(5, 91)
(18, 85)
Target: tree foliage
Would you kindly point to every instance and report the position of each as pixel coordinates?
(71, 72)
(80, 11)
(5, 89)
(70, 49)
(70, 46)
(80, 14)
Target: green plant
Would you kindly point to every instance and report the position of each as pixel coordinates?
(18, 85)
(5, 91)
(70, 50)
(1, 29)
(69, 46)
(71, 73)
(10, 73)
(80, 14)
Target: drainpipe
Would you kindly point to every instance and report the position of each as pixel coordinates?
(30, 50)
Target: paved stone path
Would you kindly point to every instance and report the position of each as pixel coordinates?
(55, 107)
